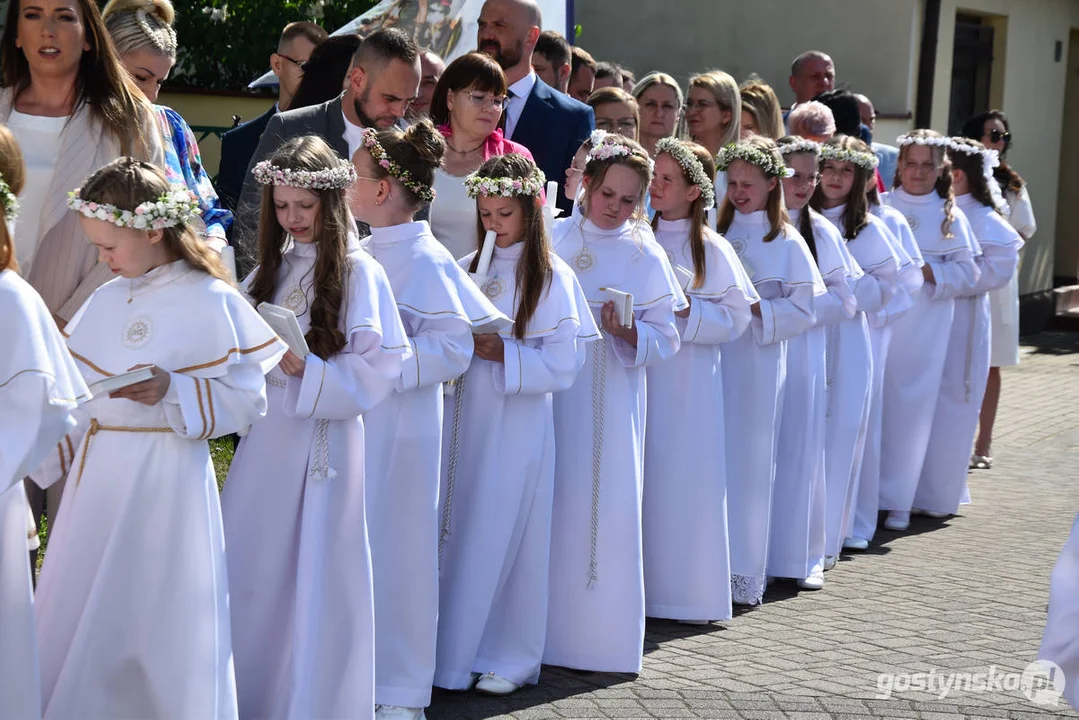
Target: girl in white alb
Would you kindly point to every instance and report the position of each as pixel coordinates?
(141, 499)
(686, 558)
(827, 386)
(499, 455)
(944, 475)
(754, 220)
(595, 617)
(299, 564)
(40, 386)
(847, 167)
(912, 379)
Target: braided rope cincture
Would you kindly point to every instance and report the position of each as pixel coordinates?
(451, 466)
(970, 347)
(598, 351)
(96, 427)
(321, 470)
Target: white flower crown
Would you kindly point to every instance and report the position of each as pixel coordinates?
(990, 157)
(607, 145)
(178, 206)
(908, 139)
(9, 204)
(801, 145)
(864, 160)
(505, 186)
(691, 165)
(333, 178)
(766, 161)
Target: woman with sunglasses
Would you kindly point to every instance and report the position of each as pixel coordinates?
(992, 129)
(466, 107)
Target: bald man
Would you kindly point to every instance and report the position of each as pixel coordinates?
(812, 73)
(550, 124)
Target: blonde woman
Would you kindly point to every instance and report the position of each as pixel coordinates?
(659, 97)
(761, 113)
(714, 115)
(616, 111)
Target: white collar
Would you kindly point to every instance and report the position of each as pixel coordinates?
(523, 87)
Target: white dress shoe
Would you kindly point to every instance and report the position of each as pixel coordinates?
(815, 581)
(829, 562)
(491, 684)
(928, 514)
(855, 543)
(395, 712)
(897, 520)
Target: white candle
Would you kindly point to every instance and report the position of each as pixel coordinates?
(552, 194)
(486, 253)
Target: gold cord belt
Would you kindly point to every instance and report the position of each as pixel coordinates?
(96, 427)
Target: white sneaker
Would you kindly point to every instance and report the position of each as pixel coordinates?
(897, 520)
(855, 543)
(829, 562)
(928, 514)
(491, 684)
(396, 712)
(815, 581)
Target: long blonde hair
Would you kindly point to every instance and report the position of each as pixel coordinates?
(944, 182)
(760, 101)
(773, 206)
(12, 172)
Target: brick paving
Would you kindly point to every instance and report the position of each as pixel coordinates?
(958, 595)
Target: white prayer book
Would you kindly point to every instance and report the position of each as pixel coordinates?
(283, 322)
(118, 382)
(623, 305)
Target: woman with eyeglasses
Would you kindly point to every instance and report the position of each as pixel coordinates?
(713, 115)
(466, 107)
(616, 111)
(659, 97)
(992, 129)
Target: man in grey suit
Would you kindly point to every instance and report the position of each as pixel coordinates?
(384, 79)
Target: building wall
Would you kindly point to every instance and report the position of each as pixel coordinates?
(216, 110)
(688, 36)
(1032, 94)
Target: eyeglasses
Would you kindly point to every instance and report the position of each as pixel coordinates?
(803, 179)
(481, 100)
(621, 125)
(699, 104)
(997, 136)
(294, 61)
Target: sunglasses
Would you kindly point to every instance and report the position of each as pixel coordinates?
(997, 136)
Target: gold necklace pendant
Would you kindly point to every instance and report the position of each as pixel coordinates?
(584, 260)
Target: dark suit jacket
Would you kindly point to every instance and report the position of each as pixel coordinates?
(552, 126)
(237, 147)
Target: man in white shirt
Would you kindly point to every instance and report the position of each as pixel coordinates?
(550, 124)
(383, 81)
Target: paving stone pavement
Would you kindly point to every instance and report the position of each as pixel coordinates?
(966, 594)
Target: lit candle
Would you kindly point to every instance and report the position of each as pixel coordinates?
(486, 253)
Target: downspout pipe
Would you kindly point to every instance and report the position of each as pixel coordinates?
(927, 64)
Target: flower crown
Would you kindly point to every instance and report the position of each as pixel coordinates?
(800, 145)
(990, 157)
(909, 139)
(370, 141)
(866, 161)
(505, 186)
(766, 161)
(178, 206)
(691, 165)
(333, 178)
(607, 145)
(9, 204)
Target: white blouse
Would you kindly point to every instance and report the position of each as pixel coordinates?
(39, 138)
(453, 215)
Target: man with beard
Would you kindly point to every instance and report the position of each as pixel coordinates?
(550, 124)
(383, 81)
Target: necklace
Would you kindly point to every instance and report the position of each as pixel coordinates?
(585, 259)
(466, 152)
(141, 281)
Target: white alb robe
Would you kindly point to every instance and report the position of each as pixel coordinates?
(1004, 302)
(910, 279)
(141, 502)
(754, 372)
(966, 368)
(595, 618)
(299, 563)
(686, 558)
(498, 482)
(798, 524)
(874, 248)
(438, 303)
(915, 364)
(40, 386)
(1060, 640)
